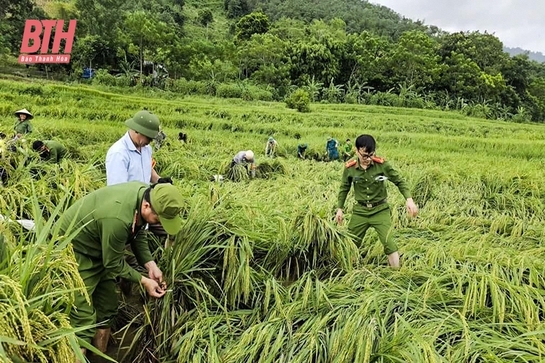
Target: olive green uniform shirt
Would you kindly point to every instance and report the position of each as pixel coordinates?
(57, 151)
(107, 215)
(22, 127)
(370, 184)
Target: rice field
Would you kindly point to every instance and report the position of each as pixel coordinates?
(260, 272)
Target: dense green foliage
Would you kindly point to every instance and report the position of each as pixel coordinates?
(346, 51)
(259, 272)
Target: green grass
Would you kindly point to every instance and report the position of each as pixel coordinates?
(260, 273)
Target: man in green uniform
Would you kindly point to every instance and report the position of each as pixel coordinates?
(22, 125)
(369, 173)
(49, 150)
(347, 150)
(106, 220)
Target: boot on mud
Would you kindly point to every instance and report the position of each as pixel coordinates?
(100, 341)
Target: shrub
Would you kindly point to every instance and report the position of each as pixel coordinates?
(186, 87)
(104, 78)
(299, 100)
(229, 90)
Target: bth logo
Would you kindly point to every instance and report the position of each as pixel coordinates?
(37, 37)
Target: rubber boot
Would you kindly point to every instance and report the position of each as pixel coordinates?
(100, 341)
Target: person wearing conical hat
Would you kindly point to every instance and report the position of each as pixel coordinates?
(270, 148)
(23, 125)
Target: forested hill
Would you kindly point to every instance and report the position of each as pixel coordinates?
(358, 15)
(537, 56)
(337, 51)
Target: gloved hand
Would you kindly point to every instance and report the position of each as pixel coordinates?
(165, 180)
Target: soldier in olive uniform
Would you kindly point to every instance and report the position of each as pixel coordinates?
(49, 150)
(22, 125)
(369, 173)
(106, 220)
(347, 150)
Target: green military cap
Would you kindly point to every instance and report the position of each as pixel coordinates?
(167, 202)
(145, 123)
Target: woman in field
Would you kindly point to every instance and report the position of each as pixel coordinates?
(22, 125)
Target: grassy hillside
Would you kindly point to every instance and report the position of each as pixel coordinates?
(260, 272)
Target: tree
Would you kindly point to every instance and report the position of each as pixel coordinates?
(13, 15)
(318, 54)
(145, 32)
(237, 8)
(485, 50)
(254, 23)
(205, 17)
(413, 60)
(265, 59)
(460, 77)
(86, 50)
(364, 59)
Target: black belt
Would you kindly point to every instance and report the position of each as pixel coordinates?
(372, 205)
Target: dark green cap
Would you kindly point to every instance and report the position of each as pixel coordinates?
(167, 201)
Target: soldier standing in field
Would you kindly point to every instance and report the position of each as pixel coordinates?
(369, 173)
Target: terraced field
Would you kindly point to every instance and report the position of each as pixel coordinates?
(259, 272)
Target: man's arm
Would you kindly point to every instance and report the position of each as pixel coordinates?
(394, 176)
(117, 168)
(154, 176)
(113, 237)
(403, 187)
(346, 183)
(140, 248)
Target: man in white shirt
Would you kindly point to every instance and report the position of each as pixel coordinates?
(130, 158)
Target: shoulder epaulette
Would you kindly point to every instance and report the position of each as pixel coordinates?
(350, 163)
(378, 160)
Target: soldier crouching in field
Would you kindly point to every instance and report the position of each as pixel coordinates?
(106, 220)
(369, 173)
